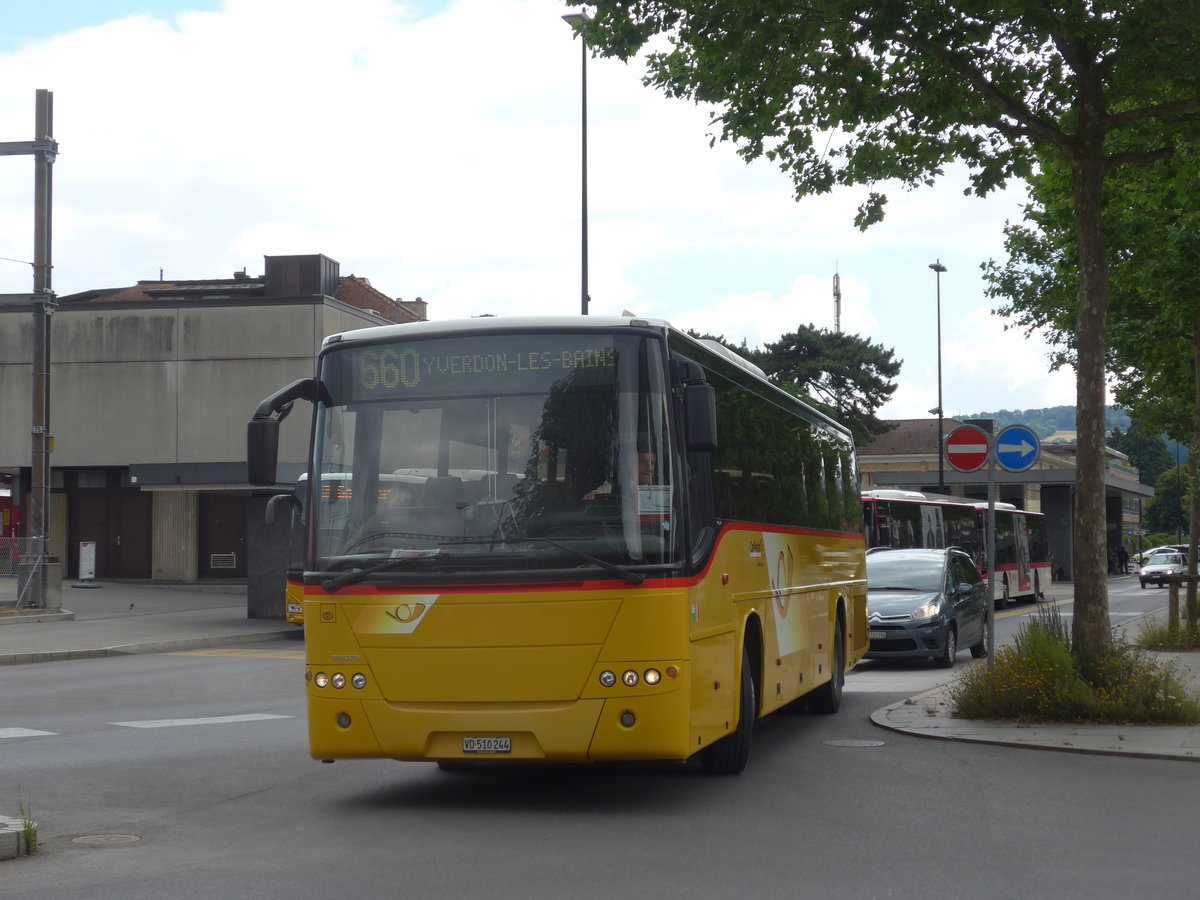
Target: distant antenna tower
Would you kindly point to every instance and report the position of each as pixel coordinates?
(837, 301)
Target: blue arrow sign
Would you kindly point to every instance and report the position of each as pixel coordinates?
(1017, 448)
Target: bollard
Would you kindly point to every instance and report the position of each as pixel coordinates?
(1190, 612)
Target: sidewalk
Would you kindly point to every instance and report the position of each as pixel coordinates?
(135, 617)
(929, 715)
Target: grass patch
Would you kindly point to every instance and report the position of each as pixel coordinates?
(28, 825)
(1039, 679)
(1157, 636)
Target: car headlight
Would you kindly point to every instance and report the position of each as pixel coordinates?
(930, 610)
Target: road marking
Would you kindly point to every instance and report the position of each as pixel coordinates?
(24, 732)
(209, 720)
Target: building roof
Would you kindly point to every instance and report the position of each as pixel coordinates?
(351, 290)
(908, 436)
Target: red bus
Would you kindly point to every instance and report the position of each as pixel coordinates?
(8, 528)
(896, 518)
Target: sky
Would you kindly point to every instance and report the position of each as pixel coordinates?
(435, 148)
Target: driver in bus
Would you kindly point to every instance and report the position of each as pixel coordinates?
(647, 466)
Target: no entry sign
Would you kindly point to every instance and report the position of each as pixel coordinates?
(967, 448)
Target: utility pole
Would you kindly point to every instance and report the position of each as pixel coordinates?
(43, 149)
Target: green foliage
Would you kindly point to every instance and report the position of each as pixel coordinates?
(845, 376)
(1152, 245)
(1048, 420)
(1147, 452)
(1041, 677)
(28, 825)
(1157, 636)
(1166, 511)
(849, 93)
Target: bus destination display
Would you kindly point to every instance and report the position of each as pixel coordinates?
(485, 365)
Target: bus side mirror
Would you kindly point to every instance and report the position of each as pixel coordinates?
(290, 499)
(262, 451)
(700, 416)
(262, 431)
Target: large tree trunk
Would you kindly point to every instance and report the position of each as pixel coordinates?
(1193, 487)
(1090, 629)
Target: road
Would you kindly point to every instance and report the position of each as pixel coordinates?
(187, 776)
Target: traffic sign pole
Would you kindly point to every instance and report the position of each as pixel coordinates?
(991, 551)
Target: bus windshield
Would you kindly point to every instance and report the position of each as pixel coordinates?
(526, 453)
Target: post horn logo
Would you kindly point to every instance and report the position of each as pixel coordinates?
(406, 613)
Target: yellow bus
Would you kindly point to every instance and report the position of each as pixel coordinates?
(567, 539)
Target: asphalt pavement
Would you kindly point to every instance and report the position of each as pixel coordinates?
(150, 617)
(115, 618)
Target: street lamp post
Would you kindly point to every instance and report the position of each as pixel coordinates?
(574, 19)
(938, 268)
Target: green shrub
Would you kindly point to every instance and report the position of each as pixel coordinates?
(1039, 679)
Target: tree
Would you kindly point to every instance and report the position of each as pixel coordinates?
(1147, 452)
(844, 92)
(1152, 235)
(1166, 512)
(843, 375)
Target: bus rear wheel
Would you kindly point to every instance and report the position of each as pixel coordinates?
(729, 755)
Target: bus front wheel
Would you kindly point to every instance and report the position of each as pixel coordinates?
(729, 755)
(828, 697)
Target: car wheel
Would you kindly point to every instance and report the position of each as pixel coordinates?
(729, 755)
(828, 697)
(946, 660)
(979, 651)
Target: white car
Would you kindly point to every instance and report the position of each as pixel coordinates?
(1159, 566)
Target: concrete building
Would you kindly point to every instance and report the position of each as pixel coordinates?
(151, 388)
(906, 458)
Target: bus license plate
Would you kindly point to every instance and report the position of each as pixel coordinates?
(877, 635)
(487, 745)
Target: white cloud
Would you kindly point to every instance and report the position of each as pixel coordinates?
(437, 152)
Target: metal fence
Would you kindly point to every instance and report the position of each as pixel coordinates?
(21, 574)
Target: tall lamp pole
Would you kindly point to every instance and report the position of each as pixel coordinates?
(574, 20)
(938, 268)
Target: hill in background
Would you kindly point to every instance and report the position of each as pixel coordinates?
(1050, 420)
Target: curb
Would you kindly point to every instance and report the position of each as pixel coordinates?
(12, 838)
(165, 646)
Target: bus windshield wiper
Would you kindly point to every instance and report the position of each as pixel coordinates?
(392, 562)
(620, 571)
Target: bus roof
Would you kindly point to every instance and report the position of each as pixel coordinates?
(492, 323)
(918, 497)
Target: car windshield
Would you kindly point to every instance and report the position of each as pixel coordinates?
(902, 571)
(487, 453)
(1165, 559)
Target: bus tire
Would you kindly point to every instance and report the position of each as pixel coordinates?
(729, 755)
(827, 699)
